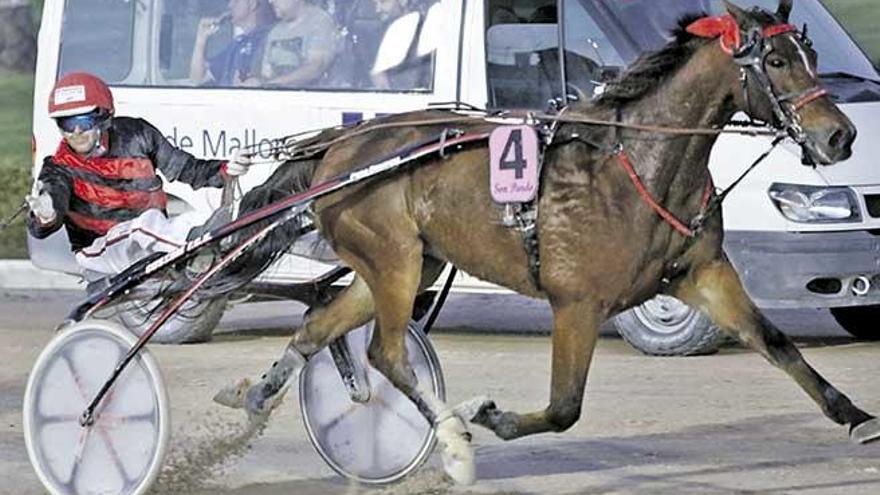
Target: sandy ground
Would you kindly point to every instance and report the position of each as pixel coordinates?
(727, 423)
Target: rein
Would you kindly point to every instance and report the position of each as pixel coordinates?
(709, 203)
(290, 151)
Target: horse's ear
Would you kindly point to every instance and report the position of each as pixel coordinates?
(742, 17)
(784, 9)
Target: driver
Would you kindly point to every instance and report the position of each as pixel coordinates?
(102, 185)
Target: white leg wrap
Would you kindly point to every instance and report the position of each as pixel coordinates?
(454, 438)
(458, 456)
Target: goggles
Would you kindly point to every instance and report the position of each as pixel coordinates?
(85, 122)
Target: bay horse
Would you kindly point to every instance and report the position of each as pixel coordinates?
(602, 247)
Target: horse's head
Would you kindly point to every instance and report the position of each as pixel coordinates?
(778, 81)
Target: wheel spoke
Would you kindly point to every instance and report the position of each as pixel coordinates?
(111, 449)
(396, 412)
(56, 418)
(326, 428)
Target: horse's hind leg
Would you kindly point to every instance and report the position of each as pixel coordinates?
(389, 258)
(576, 328)
(322, 325)
(715, 288)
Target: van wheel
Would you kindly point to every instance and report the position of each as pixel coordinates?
(194, 321)
(665, 326)
(860, 321)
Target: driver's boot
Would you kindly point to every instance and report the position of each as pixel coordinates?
(265, 395)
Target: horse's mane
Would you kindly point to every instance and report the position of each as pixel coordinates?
(650, 70)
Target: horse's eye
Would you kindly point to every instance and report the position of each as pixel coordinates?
(776, 63)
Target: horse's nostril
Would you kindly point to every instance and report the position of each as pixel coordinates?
(840, 138)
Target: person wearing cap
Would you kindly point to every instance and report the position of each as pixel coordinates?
(102, 185)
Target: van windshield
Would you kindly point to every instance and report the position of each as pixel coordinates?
(375, 45)
(603, 36)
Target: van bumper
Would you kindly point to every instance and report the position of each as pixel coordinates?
(807, 270)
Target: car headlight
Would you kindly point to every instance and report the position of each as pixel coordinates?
(815, 204)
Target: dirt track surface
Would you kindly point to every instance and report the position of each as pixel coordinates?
(727, 423)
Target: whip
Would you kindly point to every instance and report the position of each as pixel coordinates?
(6, 223)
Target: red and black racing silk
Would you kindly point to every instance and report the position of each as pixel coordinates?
(92, 194)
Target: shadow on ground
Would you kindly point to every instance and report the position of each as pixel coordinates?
(695, 460)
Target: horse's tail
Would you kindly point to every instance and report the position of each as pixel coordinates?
(291, 177)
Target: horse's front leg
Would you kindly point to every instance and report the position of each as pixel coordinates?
(716, 289)
(575, 330)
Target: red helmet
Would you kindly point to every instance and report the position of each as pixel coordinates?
(78, 93)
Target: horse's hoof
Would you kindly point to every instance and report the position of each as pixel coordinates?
(233, 395)
(866, 432)
(485, 414)
(458, 456)
(469, 409)
(256, 403)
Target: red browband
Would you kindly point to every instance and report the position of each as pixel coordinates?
(726, 29)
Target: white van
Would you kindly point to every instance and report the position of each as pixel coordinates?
(800, 236)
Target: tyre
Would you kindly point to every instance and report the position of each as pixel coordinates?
(862, 322)
(665, 326)
(193, 322)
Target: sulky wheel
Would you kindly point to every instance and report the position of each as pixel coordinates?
(382, 439)
(122, 451)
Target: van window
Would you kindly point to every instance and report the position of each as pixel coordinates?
(97, 36)
(338, 44)
(603, 36)
(522, 53)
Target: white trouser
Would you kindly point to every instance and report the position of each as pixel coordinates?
(130, 241)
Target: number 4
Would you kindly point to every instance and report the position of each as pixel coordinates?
(517, 163)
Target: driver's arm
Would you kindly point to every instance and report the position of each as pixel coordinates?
(177, 164)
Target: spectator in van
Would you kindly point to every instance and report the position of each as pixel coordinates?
(504, 15)
(415, 71)
(240, 60)
(102, 186)
(301, 47)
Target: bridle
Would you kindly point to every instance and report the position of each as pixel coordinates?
(751, 56)
(752, 62)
